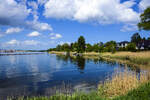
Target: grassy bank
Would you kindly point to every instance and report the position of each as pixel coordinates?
(122, 85)
(141, 93)
(140, 59)
(132, 58)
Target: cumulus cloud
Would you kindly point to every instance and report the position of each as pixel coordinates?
(55, 36)
(34, 34)
(12, 13)
(38, 26)
(144, 4)
(13, 30)
(100, 11)
(33, 4)
(15, 14)
(13, 42)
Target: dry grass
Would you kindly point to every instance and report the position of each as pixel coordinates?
(144, 54)
(133, 58)
(121, 83)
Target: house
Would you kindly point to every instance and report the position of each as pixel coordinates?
(122, 44)
(143, 45)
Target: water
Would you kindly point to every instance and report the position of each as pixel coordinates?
(44, 74)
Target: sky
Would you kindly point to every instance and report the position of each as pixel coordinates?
(43, 24)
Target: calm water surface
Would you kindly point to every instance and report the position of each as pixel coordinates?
(43, 74)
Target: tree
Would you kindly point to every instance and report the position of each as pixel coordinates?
(136, 38)
(131, 47)
(66, 47)
(110, 46)
(144, 38)
(96, 47)
(145, 20)
(81, 44)
(74, 46)
(58, 48)
(148, 38)
(89, 48)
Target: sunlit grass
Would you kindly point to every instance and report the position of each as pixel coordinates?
(137, 58)
(121, 83)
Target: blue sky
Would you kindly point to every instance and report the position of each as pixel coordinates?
(43, 24)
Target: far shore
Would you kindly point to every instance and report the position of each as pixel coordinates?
(140, 59)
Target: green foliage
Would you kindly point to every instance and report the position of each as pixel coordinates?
(81, 44)
(96, 48)
(142, 93)
(122, 49)
(145, 20)
(131, 47)
(136, 38)
(110, 46)
(89, 48)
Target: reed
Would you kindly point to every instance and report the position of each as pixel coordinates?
(134, 58)
(121, 83)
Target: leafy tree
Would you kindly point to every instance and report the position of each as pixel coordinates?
(136, 38)
(81, 44)
(96, 47)
(110, 46)
(145, 20)
(74, 46)
(144, 38)
(65, 47)
(148, 38)
(131, 47)
(89, 47)
(58, 48)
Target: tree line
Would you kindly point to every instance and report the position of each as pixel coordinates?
(81, 46)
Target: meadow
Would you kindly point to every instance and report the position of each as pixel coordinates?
(132, 58)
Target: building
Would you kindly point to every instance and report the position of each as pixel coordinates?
(122, 44)
(143, 45)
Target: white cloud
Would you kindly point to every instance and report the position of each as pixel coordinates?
(129, 27)
(33, 4)
(41, 2)
(13, 30)
(99, 11)
(13, 42)
(30, 42)
(12, 12)
(34, 34)
(55, 36)
(144, 4)
(39, 26)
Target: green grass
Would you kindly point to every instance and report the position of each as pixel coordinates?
(141, 93)
(75, 96)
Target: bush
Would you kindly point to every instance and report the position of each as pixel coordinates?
(131, 47)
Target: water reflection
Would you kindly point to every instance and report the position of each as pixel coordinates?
(79, 61)
(33, 75)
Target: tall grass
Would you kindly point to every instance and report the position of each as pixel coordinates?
(134, 58)
(121, 83)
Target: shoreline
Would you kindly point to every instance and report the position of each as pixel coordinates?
(135, 59)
